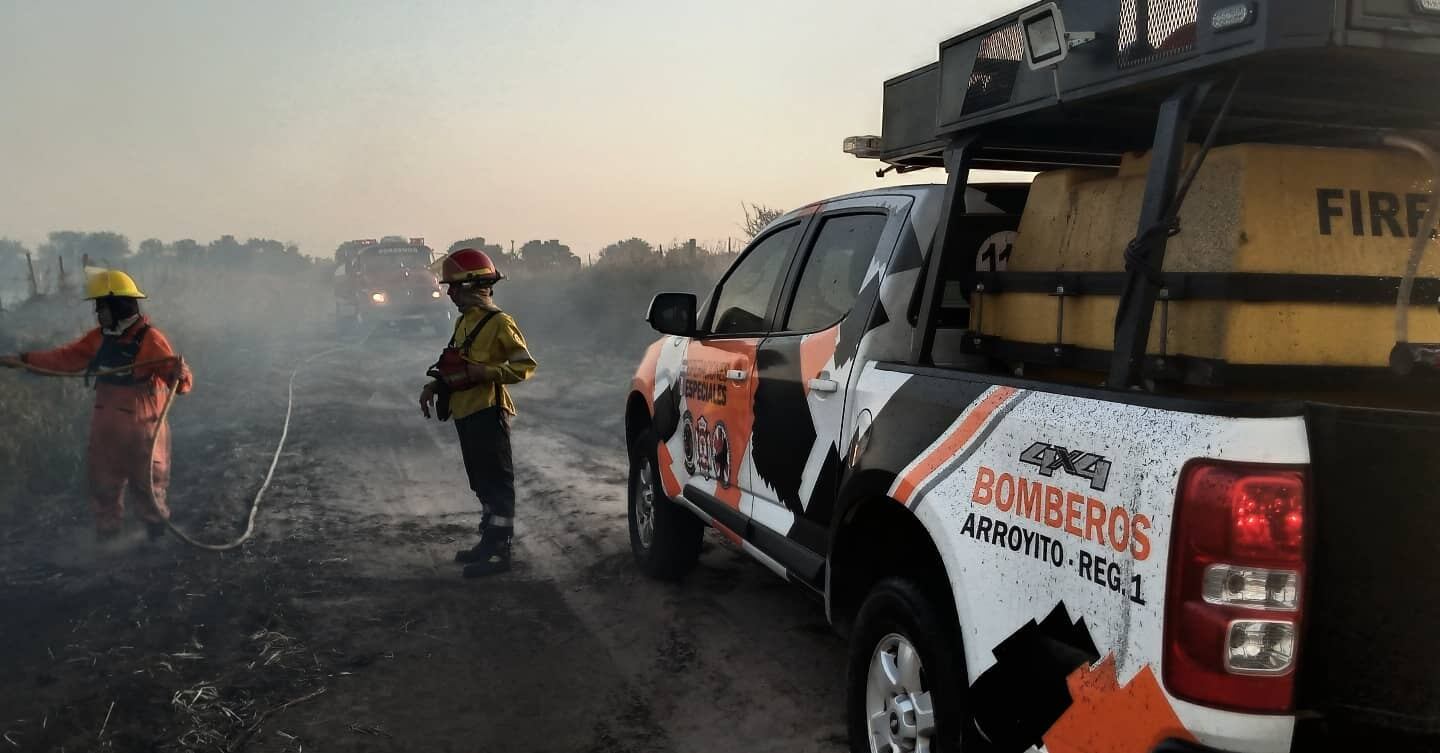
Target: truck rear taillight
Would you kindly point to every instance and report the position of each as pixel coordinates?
(1237, 574)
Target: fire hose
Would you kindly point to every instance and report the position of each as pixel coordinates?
(165, 413)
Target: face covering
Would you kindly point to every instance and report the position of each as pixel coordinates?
(465, 298)
(484, 298)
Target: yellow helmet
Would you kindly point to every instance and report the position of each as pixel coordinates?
(100, 283)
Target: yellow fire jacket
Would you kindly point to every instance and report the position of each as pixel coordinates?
(502, 350)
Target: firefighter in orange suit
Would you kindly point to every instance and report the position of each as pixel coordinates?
(486, 353)
(128, 406)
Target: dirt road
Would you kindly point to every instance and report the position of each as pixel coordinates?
(348, 606)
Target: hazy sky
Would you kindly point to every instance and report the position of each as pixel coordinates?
(315, 122)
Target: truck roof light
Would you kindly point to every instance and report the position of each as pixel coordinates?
(1237, 16)
(1047, 43)
(864, 147)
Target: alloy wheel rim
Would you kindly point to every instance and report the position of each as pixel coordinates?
(899, 710)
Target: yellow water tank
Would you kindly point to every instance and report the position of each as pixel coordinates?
(1274, 210)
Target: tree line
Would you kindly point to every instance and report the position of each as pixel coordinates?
(72, 248)
(552, 255)
(64, 252)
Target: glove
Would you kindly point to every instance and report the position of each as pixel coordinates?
(467, 376)
(474, 373)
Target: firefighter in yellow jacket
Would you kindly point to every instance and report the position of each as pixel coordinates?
(486, 353)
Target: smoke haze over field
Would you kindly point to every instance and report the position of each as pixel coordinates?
(317, 122)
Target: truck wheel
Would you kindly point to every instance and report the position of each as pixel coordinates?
(664, 536)
(906, 676)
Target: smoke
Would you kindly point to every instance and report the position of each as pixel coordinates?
(241, 330)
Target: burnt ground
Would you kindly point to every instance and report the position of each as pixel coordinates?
(344, 624)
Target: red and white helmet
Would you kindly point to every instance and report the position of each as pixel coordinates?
(467, 265)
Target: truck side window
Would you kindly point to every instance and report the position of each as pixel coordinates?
(744, 296)
(835, 270)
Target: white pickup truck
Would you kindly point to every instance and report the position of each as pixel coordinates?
(1059, 546)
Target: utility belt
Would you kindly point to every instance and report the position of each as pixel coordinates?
(452, 362)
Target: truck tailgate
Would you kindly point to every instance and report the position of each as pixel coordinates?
(1370, 660)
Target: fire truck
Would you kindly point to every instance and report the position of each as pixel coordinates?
(388, 283)
(1139, 456)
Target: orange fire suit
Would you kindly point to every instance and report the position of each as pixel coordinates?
(126, 417)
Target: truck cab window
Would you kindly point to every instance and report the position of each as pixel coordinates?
(744, 296)
(835, 270)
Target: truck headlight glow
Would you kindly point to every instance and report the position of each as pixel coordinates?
(434, 294)
(378, 296)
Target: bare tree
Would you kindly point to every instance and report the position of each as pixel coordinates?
(757, 217)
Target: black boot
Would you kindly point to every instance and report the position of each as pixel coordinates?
(466, 556)
(492, 555)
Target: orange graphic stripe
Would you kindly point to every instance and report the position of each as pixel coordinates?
(1106, 717)
(667, 472)
(970, 425)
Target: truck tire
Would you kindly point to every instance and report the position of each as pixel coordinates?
(664, 536)
(905, 679)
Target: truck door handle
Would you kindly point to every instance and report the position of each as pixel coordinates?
(735, 375)
(824, 385)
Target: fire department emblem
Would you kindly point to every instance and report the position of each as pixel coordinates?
(687, 439)
(720, 449)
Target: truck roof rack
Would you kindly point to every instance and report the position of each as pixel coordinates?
(1327, 72)
(1079, 83)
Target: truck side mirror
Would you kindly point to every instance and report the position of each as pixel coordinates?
(673, 314)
